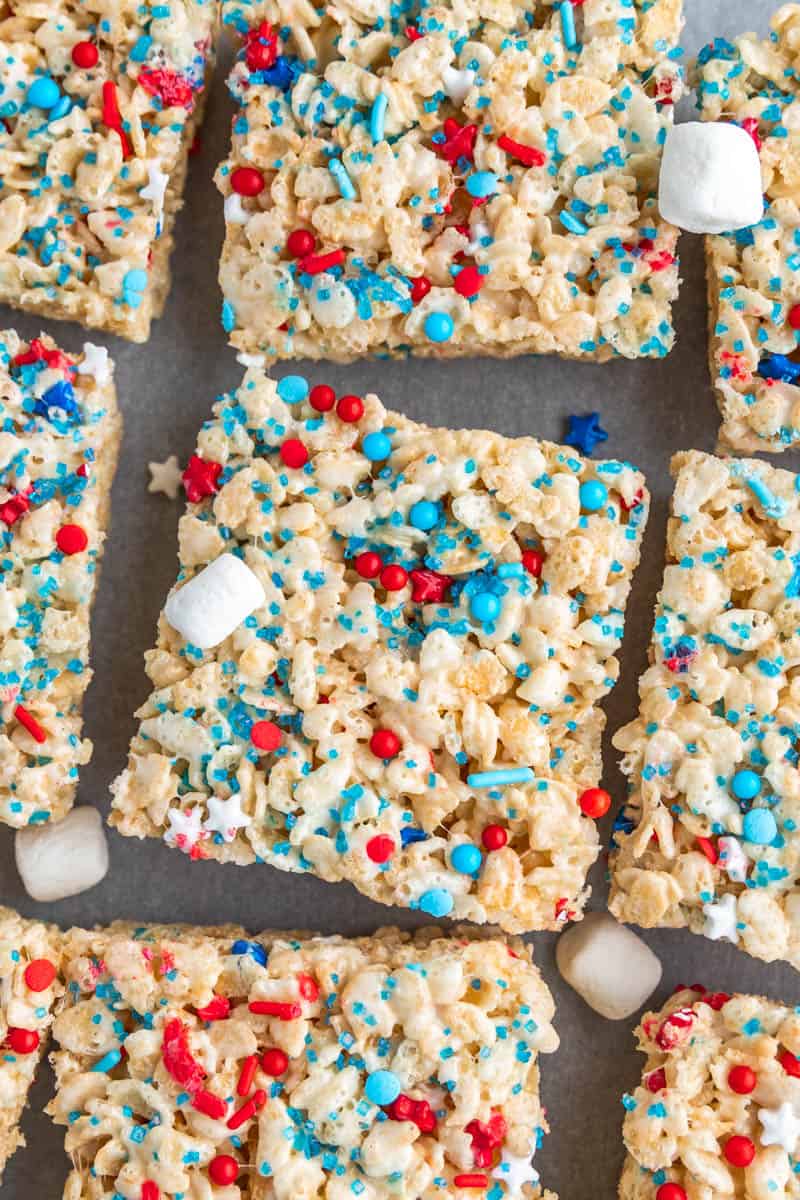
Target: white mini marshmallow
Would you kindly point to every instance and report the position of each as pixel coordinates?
(56, 861)
(215, 602)
(608, 965)
(710, 178)
(235, 212)
(457, 84)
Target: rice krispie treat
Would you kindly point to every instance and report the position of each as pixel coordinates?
(99, 104)
(753, 282)
(716, 1113)
(30, 956)
(59, 436)
(195, 1062)
(450, 179)
(710, 837)
(384, 653)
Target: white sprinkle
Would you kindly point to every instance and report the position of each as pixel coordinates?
(95, 362)
(235, 213)
(165, 477)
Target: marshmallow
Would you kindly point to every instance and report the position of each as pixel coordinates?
(457, 84)
(215, 602)
(608, 965)
(56, 861)
(710, 178)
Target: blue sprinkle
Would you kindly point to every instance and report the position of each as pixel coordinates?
(343, 180)
(376, 446)
(487, 779)
(292, 389)
(377, 117)
(436, 903)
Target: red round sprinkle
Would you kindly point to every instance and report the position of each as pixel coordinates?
(656, 1081)
(300, 242)
(39, 974)
(350, 409)
(420, 288)
(594, 803)
(223, 1170)
(794, 316)
(308, 987)
(150, 1190)
(294, 453)
(23, 1041)
(380, 848)
(274, 1062)
(670, 1191)
(85, 55)
(394, 578)
(368, 564)
(742, 1080)
(494, 837)
(247, 181)
(322, 398)
(265, 735)
(790, 1064)
(71, 539)
(739, 1151)
(533, 561)
(469, 281)
(385, 744)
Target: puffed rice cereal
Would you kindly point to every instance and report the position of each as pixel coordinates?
(450, 179)
(412, 705)
(59, 436)
(197, 1062)
(30, 956)
(709, 837)
(753, 280)
(99, 105)
(716, 1113)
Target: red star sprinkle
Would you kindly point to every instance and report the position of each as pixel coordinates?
(200, 478)
(429, 587)
(261, 47)
(459, 141)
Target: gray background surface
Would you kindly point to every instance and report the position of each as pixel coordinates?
(166, 389)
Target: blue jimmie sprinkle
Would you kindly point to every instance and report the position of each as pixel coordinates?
(487, 779)
(377, 118)
(343, 180)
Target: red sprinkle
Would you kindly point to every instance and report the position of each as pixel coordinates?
(459, 141)
(413, 34)
(708, 848)
(487, 1136)
(112, 117)
(739, 1151)
(793, 316)
(217, 1009)
(150, 1190)
(394, 578)
(300, 242)
(350, 409)
(594, 803)
(529, 156)
(275, 1008)
(248, 1110)
(385, 744)
(420, 288)
(533, 562)
(494, 837)
(308, 987)
(172, 88)
(247, 1075)
(368, 564)
(261, 47)
(750, 126)
(322, 398)
(293, 453)
(23, 1041)
(417, 1111)
(471, 1181)
(85, 55)
(177, 1057)
(14, 508)
(656, 1081)
(315, 264)
(670, 1191)
(200, 478)
(71, 539)
(742, 1080)
(223, 1170)
(39, 974)
(247, 181)
(209, 1104)
(265, 735)
(429, 587)
(380, 848)
(31, 724)
(674, 1028)
(274, 1062)
(790, 1064)
(469, 281)
(38, 352)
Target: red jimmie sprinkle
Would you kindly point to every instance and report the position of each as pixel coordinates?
(708, 848)
(471, 1181)
(790, 1064)
(150, 1190)
(275, 1008)
(200, 478)
(31, 724)
(308, 987)
(248, 1110)
(315, 264)
(247, 1075)
(112, 117)
(177, 1057)
(217, 1009)
(529, 156)
(209, 1104)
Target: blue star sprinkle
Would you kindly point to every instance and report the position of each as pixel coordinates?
(585, 432)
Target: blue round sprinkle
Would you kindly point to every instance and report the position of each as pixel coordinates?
(466, 859)
(292, 389)
(252, 949)
(382, 1088)
(439, 327)
(593, 495)
(484, 606)
(746, 785)
(376, 446)
(760, 827)
(436, 903)
(482, 183)
(424, 514)
(43, 93)
(135, 280)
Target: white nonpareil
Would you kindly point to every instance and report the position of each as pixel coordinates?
(515, 1171)
(225, 817)
(210, 606)
(780, 1126)
(733, 859)
(710, 179)
(95, 363)
(56, 861)
(720, 921)
(457, 84)
(608, 965)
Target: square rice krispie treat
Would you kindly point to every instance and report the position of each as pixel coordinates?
(30, 956)
(195, 1062)
(754, 274)
(59, 436)
(716, 1112)
(383, 656)
(450, 179)
(99, 105)
(710, 837)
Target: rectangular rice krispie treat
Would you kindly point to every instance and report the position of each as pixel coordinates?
(716, 1112)
(192, 1062)
(753, 281)
(30, 957)
(99, 104)
(59, 437)
(710, 837)
(384, 653)
(450, 179)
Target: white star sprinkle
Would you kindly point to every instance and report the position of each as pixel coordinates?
(733, 859)
(165, 477)
(235, 214)
(155, 188)
(225, 817)
(721, 920)
(514, 1170)
(185, 828)
(780, 1127)
(95, 363)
